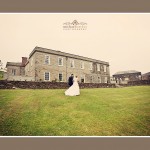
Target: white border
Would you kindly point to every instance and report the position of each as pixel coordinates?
(143, 13)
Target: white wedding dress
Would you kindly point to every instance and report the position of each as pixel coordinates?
(74, 89)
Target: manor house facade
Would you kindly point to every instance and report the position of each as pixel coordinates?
(50, 65)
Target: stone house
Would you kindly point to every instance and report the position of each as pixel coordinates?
(16, 71)
(16, 68)
(146, 76)
(50, 65)
(125, 76)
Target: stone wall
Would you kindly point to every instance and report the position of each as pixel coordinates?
(30, 67)
(20, 78)
(141, 82)
(4, 84)
(53, 68)
(48, 85)
(128, 77)
(16, 68)
(40, 68)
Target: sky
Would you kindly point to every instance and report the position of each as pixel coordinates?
(122, 39)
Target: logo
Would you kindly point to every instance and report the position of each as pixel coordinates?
(75, 25)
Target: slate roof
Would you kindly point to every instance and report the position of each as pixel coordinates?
(56, 52)
(13, 64)
(145, 74)
(127, 72)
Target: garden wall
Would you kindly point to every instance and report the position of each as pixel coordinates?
(4, 84)
(20, 78)
(136, 83)
(140, 82)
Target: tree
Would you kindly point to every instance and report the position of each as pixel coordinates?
(1, 64)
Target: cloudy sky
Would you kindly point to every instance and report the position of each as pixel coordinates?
(123, 40)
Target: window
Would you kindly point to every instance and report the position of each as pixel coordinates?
(91, 79)
(107, 69)
(72, 63)
(91, 66)
(98, 67)
(47, 59)
(82, 65)
(104, 68)
(105, 80)
(82, 78)
(60, 76)
(99, 79)
(13, 71)
(60, 61)
(47, 76)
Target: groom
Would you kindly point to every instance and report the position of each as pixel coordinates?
(70, 80)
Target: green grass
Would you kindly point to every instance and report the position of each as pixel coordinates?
(96, 112)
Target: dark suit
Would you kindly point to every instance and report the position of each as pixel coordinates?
(70, 81)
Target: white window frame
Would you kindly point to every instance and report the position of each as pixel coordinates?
(13, 72)
(105, 68)
(98, 67)
(72, 60)
(82, 65)
(48, 60)
(91, 66)
(62, 76)
(44, 76)
(62, 61)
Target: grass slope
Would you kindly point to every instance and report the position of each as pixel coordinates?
(96, 112)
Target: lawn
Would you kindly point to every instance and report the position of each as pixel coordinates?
(96, 112)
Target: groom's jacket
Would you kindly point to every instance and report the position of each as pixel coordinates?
(70, 81)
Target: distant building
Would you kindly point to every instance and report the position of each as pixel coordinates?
(125, 76)
(16, 68)
(51, 65)
(146, 76)
(112, 80)
(16, 71)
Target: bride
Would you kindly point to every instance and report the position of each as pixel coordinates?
(74, 89)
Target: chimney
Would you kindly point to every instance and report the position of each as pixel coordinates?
(24, 60)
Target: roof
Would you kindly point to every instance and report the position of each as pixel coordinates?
(14, 64)
(145, 74)
(56, 52)
(127, 72)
